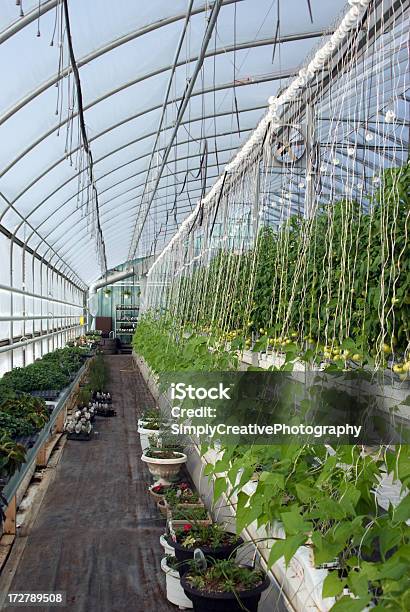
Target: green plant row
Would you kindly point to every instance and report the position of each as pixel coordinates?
(53, 372)
(320, 498)
(342, 276)
(22, 415)
(98, 374)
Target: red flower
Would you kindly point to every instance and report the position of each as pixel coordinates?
(183, 486)
(157, 489)
(187, 527)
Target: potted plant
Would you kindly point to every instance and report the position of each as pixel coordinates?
(178, 497)
(225, 587)
(84, 397)
(157, 491)
(12, 457)
(175, 592)
(183, 497)
(215, 543)
(164, 464)
(193, 516)
(168, 549)
(148, 428)
(79, 427)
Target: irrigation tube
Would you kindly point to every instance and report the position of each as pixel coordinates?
(37, 317)
(16, 345)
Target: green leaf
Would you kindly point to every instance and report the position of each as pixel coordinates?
(332, 585)
(220, 486)
(273, 479)
(348, 604)
(389, 538)
(305, 493)
(285, 548)
(402, 511)
(358, 583)
(348, 344)
(294, 523)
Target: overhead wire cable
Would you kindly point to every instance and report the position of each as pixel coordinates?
(86, 145)
(139, 225)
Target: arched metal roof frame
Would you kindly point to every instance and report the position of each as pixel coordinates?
(105, 49)
(106, 208)
(192, 120)
(139, 139)
(62, 159)
(210, 180)
(47, 6)
(212, 137)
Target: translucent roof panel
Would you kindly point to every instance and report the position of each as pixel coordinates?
(129, 55)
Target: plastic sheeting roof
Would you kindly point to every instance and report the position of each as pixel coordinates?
(125, 51)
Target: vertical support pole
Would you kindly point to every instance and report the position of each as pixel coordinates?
(309, 208)
(11, 327)
(255, 208)
(24, 304)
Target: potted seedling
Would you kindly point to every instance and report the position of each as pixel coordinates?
(224, 586)
(180, 496)
(79, 427)
(175, 592)
(158, 491)
(215, 543)
(194, 516)
(164, 464)
(183, 497)
(84, 397)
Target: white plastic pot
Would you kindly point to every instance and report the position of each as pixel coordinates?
(169, 550)
(175, 592)
(146, 435)
(165, 470)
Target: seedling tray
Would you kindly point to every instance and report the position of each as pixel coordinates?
(48, 395)
(82, 437)
(106, 413)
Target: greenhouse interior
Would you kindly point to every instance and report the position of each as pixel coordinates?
(205, 304)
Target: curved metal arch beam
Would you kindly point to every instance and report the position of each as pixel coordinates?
(65, 236)
(280, 75)
(79, 280)
(211, 136)
(120, 231)
(120, 220)
(253, 81)
(22, 22)
(132, 176)
(118, 149)
(83, 235)
(210, 53)
(160, 199)
(59, 208)
(113, 44)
